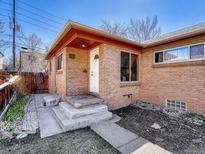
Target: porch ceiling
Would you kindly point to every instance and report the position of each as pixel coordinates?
(82, 43)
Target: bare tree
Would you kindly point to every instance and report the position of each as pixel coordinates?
(114, 28)
(138, 30)
(144, 29)
(32, 41)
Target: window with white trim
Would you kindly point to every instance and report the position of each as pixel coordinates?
(50, 66)
(197, 51)
(192, 52)
(129, 67)
(59, 64)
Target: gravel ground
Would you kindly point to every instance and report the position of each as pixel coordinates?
(175, 134)
(79, 141)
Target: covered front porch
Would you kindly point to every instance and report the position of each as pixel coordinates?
(82, 71)
(83, 60)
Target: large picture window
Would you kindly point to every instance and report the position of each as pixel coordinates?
(59, 65)
(129, 67)
(192, 52)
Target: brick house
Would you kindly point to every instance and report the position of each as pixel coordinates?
(168, 70)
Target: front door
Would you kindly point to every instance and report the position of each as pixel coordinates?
(94, 70)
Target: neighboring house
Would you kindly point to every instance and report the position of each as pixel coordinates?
(168, 70)
(32, 61)
(1, 61)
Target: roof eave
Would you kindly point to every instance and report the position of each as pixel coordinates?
(174, 38)
(73, 25)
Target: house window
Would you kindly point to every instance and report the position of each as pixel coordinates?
(50, 66)
(129, 67)
(180, 54)
(158, 57)
(31, 57)
(60, 62)
(197, 51)
(176, 54)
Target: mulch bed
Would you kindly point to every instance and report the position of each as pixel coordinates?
(83, 141)
(176, 134)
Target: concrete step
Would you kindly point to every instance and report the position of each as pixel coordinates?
(73, 113)
(83, 100)
(72, 124)
(51, 100)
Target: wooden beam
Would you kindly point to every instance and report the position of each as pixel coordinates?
(77, 46)
(106, 40)
(94, 45)
(65, 41)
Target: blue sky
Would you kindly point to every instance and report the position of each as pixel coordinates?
(172, 14)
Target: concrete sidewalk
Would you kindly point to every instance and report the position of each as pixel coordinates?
(125, 141)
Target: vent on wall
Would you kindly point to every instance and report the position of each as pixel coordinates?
(178, 105)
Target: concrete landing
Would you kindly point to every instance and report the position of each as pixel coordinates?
(83, 100)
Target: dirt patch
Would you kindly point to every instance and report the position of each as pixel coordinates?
(176, 134)
(79, 141)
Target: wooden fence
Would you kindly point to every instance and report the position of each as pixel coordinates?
(7, 94)
(30, 82)
(26, 83)
(33, 83)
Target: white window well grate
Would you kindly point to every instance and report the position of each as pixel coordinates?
(178, 105)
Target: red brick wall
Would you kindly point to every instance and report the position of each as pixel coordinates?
(111, 90)
(57, 78)
(77, 72)
(183, 82)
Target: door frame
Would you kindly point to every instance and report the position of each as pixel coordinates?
(91, 61)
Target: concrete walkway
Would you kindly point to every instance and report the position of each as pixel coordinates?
(125, 141)
(47, 123)
(120, 138)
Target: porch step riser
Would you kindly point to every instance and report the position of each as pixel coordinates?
(73, 113)
(55, 115)
(72, 124)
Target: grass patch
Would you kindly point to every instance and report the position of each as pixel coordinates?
(16, 110)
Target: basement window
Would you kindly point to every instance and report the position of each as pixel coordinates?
(129, 67)
(59, 65)
(178, 105)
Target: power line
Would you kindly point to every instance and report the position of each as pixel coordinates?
(24, 45)
(36, 14)
(10, 35)
(38, 20)
(42, 10)
(43, 22)
(42, 27)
